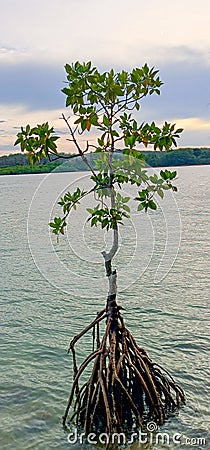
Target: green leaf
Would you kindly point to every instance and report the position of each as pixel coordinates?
(180, 130)
(62, 230)
(142, 195)
(126, 208)
(114, 133)
(164, 175)
(84, 124)
(104, 223)
(125, 199)
(106, 121)
(152, 204)
(53, 225)
(160, 193)
(172, 175)
(94, 221)
(141, 206)
(89, 210)
(94, 119)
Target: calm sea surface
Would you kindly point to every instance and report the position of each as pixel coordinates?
(50, 291)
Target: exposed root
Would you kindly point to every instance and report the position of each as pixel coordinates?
(125, 386)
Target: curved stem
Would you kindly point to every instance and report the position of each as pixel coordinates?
(110, 255)
(112, 274)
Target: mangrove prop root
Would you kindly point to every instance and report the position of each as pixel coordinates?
(125, 385)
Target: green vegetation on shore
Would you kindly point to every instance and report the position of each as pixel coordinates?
(17, 163)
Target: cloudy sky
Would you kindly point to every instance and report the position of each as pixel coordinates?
(37, 38)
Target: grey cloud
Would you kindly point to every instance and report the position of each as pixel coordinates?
(186, 53)
(7, 49)
(184, 71)
(6, 149)
(61, 132)
(186, 89)
(36, 86)
(195, 138)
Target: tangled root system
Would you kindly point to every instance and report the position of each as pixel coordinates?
(125, 387)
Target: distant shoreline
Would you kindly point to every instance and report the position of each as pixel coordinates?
(17, 164)
(37, 172)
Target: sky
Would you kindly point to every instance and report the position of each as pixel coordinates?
(38, 37)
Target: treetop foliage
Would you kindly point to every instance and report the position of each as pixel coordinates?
(106, 102)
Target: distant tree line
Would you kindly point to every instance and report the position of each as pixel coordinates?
(179, 157)
(17, 163)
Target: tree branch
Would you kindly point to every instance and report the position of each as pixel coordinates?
(81, 153)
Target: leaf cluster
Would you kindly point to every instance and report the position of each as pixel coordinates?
(155, 184)
(160, 137)
(109, 217)
(103, 100)
(68, 202)
(38, 141)
(106, 101)
(88, 89)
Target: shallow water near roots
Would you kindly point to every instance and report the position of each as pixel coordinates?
(50, 291)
